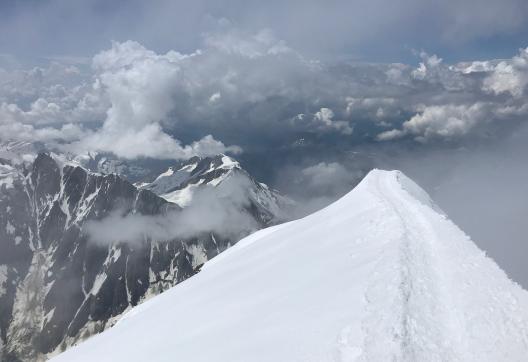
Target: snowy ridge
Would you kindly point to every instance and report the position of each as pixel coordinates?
(378, 275)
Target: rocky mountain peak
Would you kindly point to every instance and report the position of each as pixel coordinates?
(57, 286)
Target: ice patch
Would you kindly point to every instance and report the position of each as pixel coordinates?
(98, 283)
(189, 168)
(198, 253)
(181, 197)
(228, 162)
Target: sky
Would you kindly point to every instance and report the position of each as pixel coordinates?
(309, 95)
(372, 30)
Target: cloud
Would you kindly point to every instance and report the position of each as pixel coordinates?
(324, 120)
(445, 122)
(54, 104)
(142, 86)
(509, 76)
(465, 100)
(313, 185)
(148, 141)
(246, 90)
(316, 27)
(220, 210)
(13, 123)
(119, 110)
(235, 42)
(324, 176)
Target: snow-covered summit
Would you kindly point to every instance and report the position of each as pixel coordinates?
(176, 184)
(179, 185)
(379, 275)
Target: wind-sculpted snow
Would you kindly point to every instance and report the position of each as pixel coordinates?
(380, 275)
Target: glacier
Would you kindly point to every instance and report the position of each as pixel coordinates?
(381, 274)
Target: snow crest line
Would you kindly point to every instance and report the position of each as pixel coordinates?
(406, 304)
(433, 295)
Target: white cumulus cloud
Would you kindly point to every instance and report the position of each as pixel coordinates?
(509, 76)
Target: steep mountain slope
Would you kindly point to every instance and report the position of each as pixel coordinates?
(382, 274)
(56, 286)
(179, 184)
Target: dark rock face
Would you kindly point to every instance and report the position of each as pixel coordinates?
(57, 287)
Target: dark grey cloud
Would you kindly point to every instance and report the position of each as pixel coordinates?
(371, 29)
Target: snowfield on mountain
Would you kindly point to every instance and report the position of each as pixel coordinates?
(380, 275)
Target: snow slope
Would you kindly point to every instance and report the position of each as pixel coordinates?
(382, 274)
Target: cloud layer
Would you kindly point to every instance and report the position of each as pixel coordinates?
(376, 28)
(250, 90)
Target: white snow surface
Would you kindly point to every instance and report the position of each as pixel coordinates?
(182, 197)
(380, 275)
(229, 163)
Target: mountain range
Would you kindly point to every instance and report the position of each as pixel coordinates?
(58, 286)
